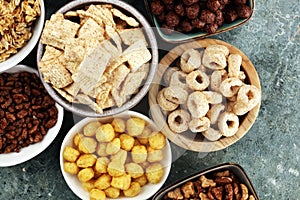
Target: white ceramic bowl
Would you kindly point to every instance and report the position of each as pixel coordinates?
(32, 150)
(147, 190)
(24, 51)
(84, 110)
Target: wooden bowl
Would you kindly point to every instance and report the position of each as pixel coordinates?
(193, 141)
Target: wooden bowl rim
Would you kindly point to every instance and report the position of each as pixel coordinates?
(181, 139)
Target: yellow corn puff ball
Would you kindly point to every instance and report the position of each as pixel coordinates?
(154, 155)
(103, 182)
(139, 154)
(154, 173)
(71, 168)
(114, 146)
(157, 140)
(77, 138)
(135, 126)
(89, 185)
(119, 125)
(133, 190)
(121, 182)
(90, 128)
(105, 133)
(101, 165)
(85, 174)
(134, 170)
(86, 160)
(101, 149)
(112, 192)
(120, 156)
(127, 142)
(143, 138)
(115, 168)
(96, 194)
(142, 180)
(87, 145)
(70, 154)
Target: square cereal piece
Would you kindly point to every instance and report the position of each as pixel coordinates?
(119, 75)
(91, 29)
(109, 103)
(74, 49)
(57, 30)
(51, 53)
(103, 13)
(129, 20)
(132, 82)
(129, 36)
(55, 73)
(136, 55)
(64, 94)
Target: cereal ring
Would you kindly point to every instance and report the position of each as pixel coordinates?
(214, 60)
(178, 120)
(168, 74)
(230, 86)
(239, 108)
(197, 80)
(176, 95)
(197, 104)
(218, 48)
(214, 112)
(199, 124)
(247, 98)
(213, 97)
(250, 95)
(216, 79)
(178, 79)
(190, 60)
(234, 64)
(164, 103)
(212, 134)
(228, 124)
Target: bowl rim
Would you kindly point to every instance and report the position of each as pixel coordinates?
(149, 34)
(234, 168)
(181, 139)
(84, 121)
(15, 59)
(187, 37)
(35, 149)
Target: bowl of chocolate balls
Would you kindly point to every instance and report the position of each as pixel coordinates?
(183, 20)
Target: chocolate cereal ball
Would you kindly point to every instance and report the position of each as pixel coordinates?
(211, 28)
(207, 16)
(161, 18)
(186, 26)
(213, 5)
(230, 15)
(189, 2)
(172, 19)
(219, 18)
(243, 11)
(157, 7)
(197, 23)
(192, 11)
(179, 10)
(224, 2)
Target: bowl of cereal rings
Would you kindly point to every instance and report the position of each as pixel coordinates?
(119, 157)
(207, 95)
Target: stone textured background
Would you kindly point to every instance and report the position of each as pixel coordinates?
(269, 152)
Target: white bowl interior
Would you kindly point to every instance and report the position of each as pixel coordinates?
(23, 52)
(32, 150)
(146, 191)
